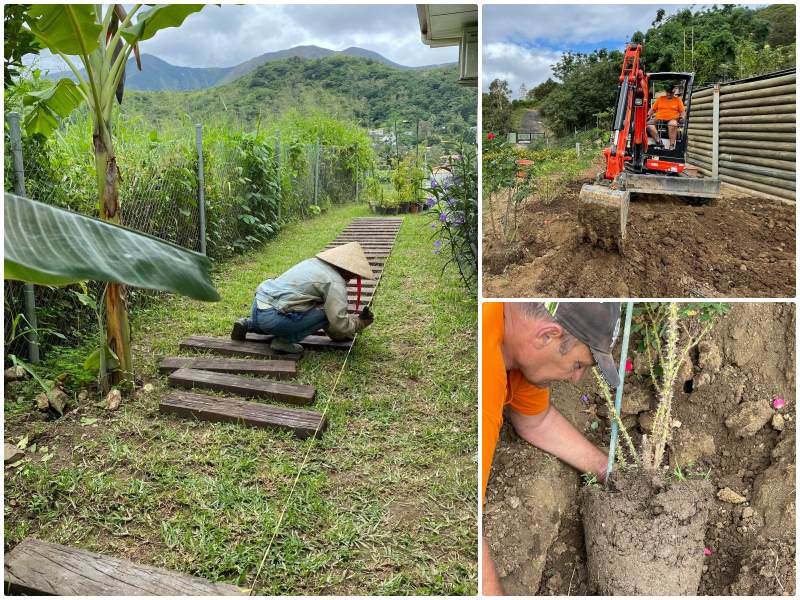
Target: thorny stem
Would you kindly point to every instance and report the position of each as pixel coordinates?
(612, 410)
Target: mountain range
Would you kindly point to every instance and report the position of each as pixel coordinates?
(158, 74)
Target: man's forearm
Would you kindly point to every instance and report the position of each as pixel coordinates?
(491, 582)
(557, 436)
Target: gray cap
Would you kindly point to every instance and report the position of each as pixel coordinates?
(596, 324)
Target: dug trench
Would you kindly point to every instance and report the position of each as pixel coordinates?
(734, 246)
(724, 425)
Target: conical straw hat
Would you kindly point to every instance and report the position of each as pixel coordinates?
(349, 257)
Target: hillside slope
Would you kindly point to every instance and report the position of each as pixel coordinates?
(158, 74)
(359, 88)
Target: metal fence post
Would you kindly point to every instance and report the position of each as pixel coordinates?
(715, 134)
(278, 167)
(578, 149)
(316, 176)
(201, 185)
(19, 187)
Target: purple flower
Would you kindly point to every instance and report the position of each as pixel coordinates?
(433, 225)
(458, 218)
(437, 244)
(433, 183)
(443, 217)
(431, 201)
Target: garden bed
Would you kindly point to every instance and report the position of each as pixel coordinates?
(532, 519)
(737, 245)
(386, 503)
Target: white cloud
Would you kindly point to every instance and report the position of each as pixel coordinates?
(221, 36)
(516, 64)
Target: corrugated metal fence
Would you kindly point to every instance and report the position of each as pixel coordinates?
(744, 132)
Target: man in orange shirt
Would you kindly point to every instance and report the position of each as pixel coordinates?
(667, 108)
(526, 348)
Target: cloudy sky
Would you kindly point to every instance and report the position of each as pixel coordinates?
(520, 42)
(221, 36)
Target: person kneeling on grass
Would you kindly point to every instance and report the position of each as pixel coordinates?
(309, 296)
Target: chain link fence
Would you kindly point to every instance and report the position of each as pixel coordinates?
(252, 186)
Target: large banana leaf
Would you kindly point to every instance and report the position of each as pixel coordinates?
(58, 100)
(52, 246)
(68, 28)
(160, 16)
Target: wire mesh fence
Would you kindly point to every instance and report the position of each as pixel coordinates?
(252, 186)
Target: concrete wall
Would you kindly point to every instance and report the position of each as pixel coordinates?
(745, 132)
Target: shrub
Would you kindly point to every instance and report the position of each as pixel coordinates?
(455, 211)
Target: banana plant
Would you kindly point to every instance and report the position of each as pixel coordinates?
(99, 38)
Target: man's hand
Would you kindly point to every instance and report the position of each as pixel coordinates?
(366, 316)
(551, 432)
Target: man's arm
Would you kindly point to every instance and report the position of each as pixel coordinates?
(491, 582)
(551, 432)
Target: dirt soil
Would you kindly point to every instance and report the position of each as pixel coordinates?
(645, 536)
(723, 421)
(735, 246)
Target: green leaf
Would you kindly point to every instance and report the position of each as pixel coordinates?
(92, 362)
(52, 246)
(61, 98)
(67, 28)
(87, 421)
(41, 121)
(58, 100)
(86, 300)
(156, 18)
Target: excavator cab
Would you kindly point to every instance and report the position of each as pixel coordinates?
(658, 84)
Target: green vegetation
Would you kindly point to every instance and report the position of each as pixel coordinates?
(507, 182)
(364, 90)
(387, 502)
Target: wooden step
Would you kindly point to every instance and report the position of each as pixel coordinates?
(311, 342)
(229, 347)
(304, 423)
(277, 369)
(241, 385)
(34, 567)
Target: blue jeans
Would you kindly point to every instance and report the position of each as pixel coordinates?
(289, 327)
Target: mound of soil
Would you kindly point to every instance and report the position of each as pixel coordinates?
(645, 537)
(737, 245)
(723, 421)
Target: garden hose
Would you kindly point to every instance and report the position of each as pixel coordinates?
(623, 359)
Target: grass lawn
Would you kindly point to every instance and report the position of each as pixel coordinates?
(387, 503)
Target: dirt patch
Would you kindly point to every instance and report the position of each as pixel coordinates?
(644, 537)
(748, 358)
(737, 245)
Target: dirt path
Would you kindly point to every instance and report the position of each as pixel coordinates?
(532, 521)
(735, 246)
(531, 121)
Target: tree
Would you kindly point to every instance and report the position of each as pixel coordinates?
(18, 42)
(497, 108)
(541, 91)
(102, 38)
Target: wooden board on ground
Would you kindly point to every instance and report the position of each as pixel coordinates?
(277, 369)
(229, 347)
(304, 423)
(312, 342)
(34, 567)
(243, 386)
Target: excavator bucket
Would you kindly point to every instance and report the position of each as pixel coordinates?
(603, 212)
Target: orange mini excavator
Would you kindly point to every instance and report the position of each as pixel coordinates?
(637, 163)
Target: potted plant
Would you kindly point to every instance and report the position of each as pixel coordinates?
(645, 529)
